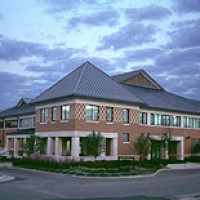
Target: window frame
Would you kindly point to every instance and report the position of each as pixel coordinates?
(109, 114)
(126, 116)
(64, 112)
(126, 138)
(54, 113)
(44, 115)
(92, 113)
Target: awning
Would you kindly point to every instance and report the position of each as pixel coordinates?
(29, 131)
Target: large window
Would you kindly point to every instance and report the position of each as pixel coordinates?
(92, 113)
(65, 112)
(11, 123)
(165, 120)
(143, 118)
(27, 122)
(125, 137)
(191, 122)
(126, 116)
(44, 115)
(53, 114)
(109, 114)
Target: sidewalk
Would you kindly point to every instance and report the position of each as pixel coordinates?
(5, 178)
(184, 166)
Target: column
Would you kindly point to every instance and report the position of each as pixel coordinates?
(103, 148)
(180, 150)
(75, 149)
(49, 146)
(16, 145)
(166, 149)
(58, 146)
(114, 148)
(24, 143)
(7, 146)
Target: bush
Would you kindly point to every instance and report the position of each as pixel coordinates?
(193, 159)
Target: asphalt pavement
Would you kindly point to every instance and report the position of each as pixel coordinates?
(30, 184)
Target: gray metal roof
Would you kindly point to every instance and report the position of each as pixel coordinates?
(18, 111)
(125, 76)
(163, 100)
(90, 82)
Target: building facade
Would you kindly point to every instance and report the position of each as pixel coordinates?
(121, 108)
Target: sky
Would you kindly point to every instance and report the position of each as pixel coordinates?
(41, 41)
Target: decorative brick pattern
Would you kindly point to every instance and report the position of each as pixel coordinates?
(72, 111)
(102, 113)
(79, 111)
(118, 115)
(133, 116)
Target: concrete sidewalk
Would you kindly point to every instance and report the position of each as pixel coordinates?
(184, 166)
(5, 178)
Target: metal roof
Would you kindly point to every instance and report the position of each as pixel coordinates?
(18, 111)
(163, 100)
(90, 82)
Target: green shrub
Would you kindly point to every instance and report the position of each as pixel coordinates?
(193, 159)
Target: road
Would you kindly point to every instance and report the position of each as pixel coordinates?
(30, 185)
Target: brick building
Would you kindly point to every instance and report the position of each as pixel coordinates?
(119, 107)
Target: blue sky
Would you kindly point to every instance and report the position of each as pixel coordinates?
(43, 40)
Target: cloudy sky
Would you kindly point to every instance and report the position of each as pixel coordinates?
(43, 40)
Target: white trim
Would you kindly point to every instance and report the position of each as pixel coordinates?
(18, 136)
(74, 134)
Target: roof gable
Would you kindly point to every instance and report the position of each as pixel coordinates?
(90, 82)
(139, 77)
(23, 102)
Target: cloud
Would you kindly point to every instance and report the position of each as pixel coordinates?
(183, 6)
(142, 54)
(132, 34)
(14, 86)
(178, 59)
(186, 36)
(66, 5)
(150, 13)
(13, 50)
(106, 17)
(178, 71)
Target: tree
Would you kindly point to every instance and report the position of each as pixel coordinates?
(93, 144)
(34, 145)
(142, 145)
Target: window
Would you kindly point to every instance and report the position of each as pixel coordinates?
(152, 119)
(190, 122)
(1, 124)
(92, 113)
(165, 120)
(44, 115)
(126, 116)
(27, 122)
(11, 124)
(109, 114)
(65, 112)
(53, 114)
(125, 137)
(143, 118)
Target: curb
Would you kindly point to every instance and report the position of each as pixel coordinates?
(6, 178)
